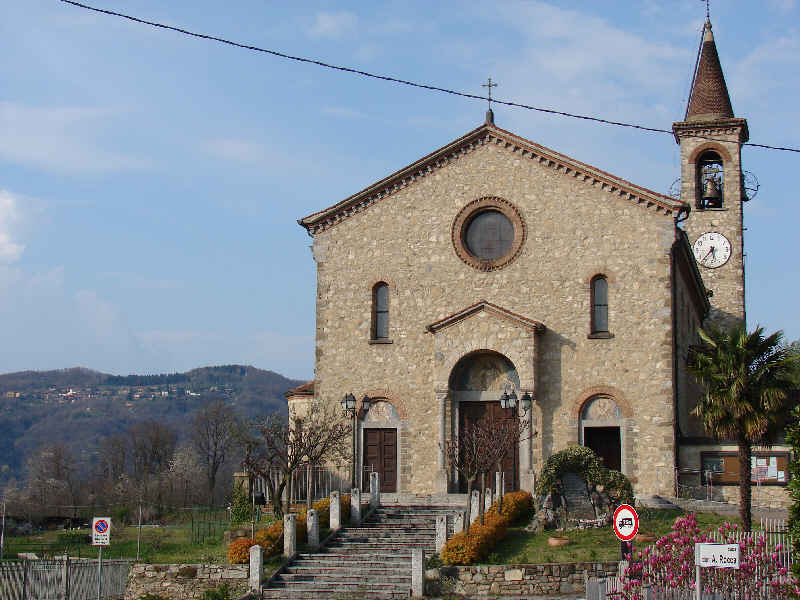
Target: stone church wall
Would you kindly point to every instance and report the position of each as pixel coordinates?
(574, 231)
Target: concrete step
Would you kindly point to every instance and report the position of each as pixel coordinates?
(344, 577)
(372, 560)
(316, 593)
(368, 569)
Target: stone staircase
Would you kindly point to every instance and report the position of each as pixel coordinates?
(369, 561)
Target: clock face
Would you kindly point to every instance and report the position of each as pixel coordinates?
(712, 250)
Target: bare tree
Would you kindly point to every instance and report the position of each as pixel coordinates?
(214, 437)
(183, 469)
(152, 447)
(282, 446)
(52, 476)
(465, 454)
(326, 435)
(113, 456)
(479, 448)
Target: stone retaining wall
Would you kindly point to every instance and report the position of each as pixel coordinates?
(551, 579)
(179, 582)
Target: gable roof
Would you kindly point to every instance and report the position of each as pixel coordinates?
(306, 389)
(483, 305)
(488, 133)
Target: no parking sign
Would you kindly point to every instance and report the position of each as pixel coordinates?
(101, 531)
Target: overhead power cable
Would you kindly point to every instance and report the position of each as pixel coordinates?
(397, 80)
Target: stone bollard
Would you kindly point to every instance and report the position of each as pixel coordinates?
(475, 506)
(374, 490)
(458, 521)
(355, 507)
(417, 572)
(289, 535)
(312, 527)
(256, 567)
(335, 511)
(498, 484)
(441, 532)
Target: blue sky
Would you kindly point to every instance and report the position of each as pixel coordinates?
(150, 183)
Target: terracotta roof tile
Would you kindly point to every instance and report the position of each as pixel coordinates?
(709, 98)
(307, 389)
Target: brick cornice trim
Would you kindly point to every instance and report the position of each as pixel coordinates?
(715, 146)
(488, 135)
(601, 390)
(386, 395)
(466, 214)
(735, 126)
(604, 271)
(499, 311)
(381, 279)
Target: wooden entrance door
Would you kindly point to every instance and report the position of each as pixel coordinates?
(380, 454)
(471, 412)
(605, 441)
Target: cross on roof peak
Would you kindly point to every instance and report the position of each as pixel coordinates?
(489, 85)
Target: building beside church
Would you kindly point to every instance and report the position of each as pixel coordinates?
(495, 264)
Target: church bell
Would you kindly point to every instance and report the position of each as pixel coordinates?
(711, 195)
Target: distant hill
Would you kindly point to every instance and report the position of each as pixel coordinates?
(78, 406)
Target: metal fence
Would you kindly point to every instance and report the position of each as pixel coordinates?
(694, 484)
(208, 525)
(324, 480)
(68, 579)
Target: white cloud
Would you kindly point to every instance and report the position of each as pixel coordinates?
(59, 139)
(333, 25)
(10, 220)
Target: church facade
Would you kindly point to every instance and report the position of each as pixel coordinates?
(497, 265)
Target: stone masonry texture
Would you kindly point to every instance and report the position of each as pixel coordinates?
(575, 229)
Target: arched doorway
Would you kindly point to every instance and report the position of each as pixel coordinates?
(601, 429)
(476, 383)
(379, 444)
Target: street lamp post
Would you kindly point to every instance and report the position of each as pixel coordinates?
(349, 408)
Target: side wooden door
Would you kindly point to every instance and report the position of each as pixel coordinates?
(380, 454)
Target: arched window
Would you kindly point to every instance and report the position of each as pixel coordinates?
(380, 311)
(710, 180)
(599, 305)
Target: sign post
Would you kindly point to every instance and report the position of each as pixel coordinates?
(714, 556)
(626, 526)
(101, 536)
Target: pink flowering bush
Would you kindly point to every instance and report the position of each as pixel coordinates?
(669, 563)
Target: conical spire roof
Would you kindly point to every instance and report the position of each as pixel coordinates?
(709, 98)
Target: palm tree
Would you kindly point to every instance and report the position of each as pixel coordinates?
(747, 378)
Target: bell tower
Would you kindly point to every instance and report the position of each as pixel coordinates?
(710, 139)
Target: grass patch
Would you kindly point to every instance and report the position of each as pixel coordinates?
(164, 544)
(521, 547)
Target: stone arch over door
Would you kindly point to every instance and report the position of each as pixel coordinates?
(475, 385)
(482, 327)
(603, 421)
(382, 418)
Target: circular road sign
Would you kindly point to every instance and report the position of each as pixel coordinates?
(101, 526)
(626, 522)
